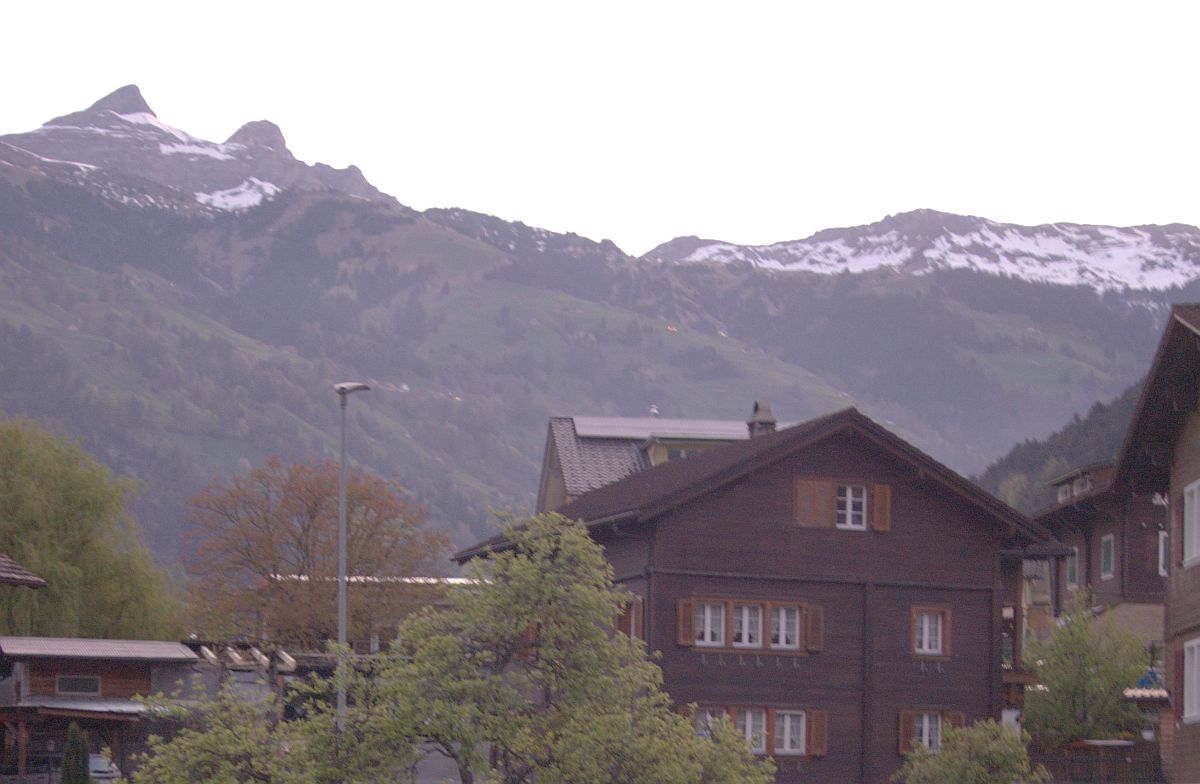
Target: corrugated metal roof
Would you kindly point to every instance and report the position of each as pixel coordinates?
(94, 705)
(82, 648)
(647, 427)
(12, 573)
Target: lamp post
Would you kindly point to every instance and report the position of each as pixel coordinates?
(344, 390)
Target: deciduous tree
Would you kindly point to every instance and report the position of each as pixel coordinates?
(1083, 670)
(984, 753)
(64, 516)
(263, 554)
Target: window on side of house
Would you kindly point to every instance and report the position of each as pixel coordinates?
(1190, 681)
(77, 684)
(927, 730)
(852, 507)
(931, 631)
(1073, 568)
(1108, 556)
(705, 718)
(710, 623)
(1191, 525)
(747, 625)
(1164, 553)
(785, 627)
(790, 732)
(751, 723)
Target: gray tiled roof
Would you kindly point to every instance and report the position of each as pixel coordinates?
(12, 573)
(591, 463)
(82, 648)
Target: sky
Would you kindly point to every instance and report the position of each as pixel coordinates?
(642, 121)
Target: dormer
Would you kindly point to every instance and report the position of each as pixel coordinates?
(1082, 481)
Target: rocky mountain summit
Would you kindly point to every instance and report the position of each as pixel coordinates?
(922, 241)
(120, 137)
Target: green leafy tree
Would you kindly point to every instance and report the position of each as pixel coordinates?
(984, 753)
(1083, 669)
(75, 757)
(63, 515)
(521, 678)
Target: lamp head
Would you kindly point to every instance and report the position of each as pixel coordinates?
(346, 387)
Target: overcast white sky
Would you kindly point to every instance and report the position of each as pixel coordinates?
(639, 122)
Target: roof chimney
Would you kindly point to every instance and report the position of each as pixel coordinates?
(653, 410)
(762, 421)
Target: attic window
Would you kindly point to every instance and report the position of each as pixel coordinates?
(1064, 492)
(82, 685)
(852, 507)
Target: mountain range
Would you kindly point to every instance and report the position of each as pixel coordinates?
(184, 306)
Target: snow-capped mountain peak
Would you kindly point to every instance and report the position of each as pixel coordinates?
(120, 137)
(918, 242)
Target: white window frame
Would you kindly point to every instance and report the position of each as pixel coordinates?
(708, 633)
(927, 730)
(779, 614)
(1164, 553)
(745, 722)
(785, 720)
(847, 518)
(59, 690)
(1191, 681)
(925, 641)
(1064, 492)
(743, 614)
(705, 718)
(1109, 541)
(1191, 525)
(1073, 566)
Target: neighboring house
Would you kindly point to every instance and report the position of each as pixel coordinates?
(1161, 454)
(1119, 548)
(47, 682)
(835, 591)
(12, 573)
(585, 453)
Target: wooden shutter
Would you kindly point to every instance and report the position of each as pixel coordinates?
(815, 503)
(816, 743)
(814, 627)
(955, 718)
(881, 508)
(907, 728)
(686, 622)
(1179, 660)
(629, 622)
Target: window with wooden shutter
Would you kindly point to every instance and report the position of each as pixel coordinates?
(686, 622)
(881, 509)
(817, 744)
(814, 627)
(629, 622)
(906, 731)
(815, 503)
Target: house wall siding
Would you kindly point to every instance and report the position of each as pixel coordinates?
(743, 542)
(117, 679)
(1183, 600)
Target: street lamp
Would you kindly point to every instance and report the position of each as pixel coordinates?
(344, 390)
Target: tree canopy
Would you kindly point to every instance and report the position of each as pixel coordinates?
(63, 515)
(984, 753)
(517, 677)
(263, 554)
(1083, 670)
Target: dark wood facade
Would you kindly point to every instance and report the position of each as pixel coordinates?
(1115, 536)
(1162, 455)
(750, 530)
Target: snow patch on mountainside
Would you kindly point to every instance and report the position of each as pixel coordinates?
(211, 150)
(1103, 257)
(250, 193)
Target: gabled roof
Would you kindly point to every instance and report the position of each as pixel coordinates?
(83, 648)
(1170, 392)
(12, 573)
(647, 494)
(589, 461)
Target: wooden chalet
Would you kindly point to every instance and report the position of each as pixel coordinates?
(1119, 549)
(47, 682)
(1161, 455)
(835, 591)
